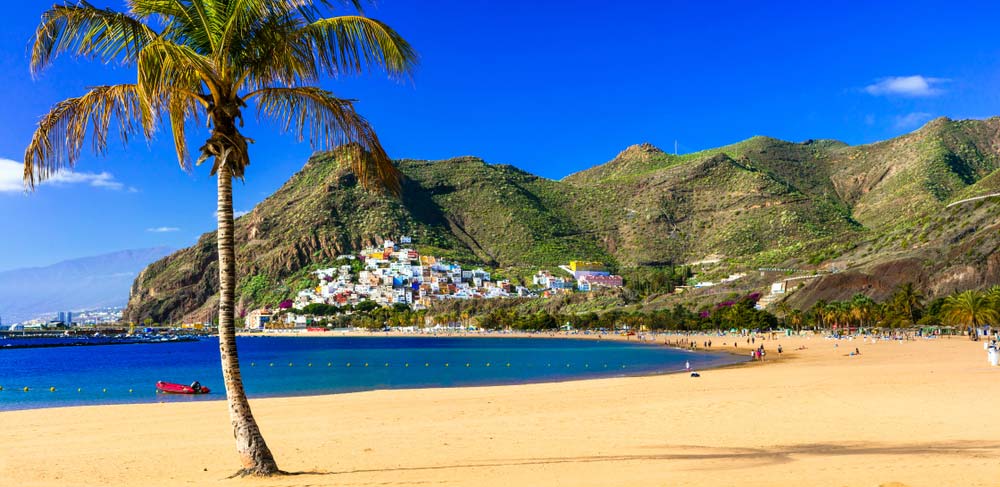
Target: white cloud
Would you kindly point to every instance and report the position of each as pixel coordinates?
(163, 229)
(911, 120)
(910, 86)
(12, 174)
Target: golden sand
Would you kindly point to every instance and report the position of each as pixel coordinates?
(919, 413)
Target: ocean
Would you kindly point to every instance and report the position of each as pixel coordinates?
(296, 366)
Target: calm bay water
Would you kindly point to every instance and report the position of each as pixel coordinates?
(275, 366)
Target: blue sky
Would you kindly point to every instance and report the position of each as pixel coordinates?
(550, 87)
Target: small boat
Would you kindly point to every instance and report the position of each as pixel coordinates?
(172, 388)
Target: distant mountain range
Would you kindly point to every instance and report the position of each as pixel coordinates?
(78, 284)
(878, 212)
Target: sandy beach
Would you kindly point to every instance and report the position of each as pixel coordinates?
(916, 413)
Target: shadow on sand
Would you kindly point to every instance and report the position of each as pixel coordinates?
(741, 457)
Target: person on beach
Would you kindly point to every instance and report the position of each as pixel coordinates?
(687, 365)
(779, 350)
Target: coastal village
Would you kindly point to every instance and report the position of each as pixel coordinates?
(397, 274)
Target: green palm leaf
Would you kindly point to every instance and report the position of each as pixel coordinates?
(352, 44)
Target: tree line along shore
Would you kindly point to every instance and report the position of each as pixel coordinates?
(905, 308)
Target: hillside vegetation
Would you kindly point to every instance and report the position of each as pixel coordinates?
(876, 210)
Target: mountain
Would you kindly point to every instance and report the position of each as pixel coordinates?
(879, 211)
(73, 285)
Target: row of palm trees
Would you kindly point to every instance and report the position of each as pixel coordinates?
(905, 308)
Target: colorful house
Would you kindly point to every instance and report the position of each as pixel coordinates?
(257, 319)
(602, 281)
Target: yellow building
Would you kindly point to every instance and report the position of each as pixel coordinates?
(582, 265)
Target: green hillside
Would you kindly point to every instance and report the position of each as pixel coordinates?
(876, 210)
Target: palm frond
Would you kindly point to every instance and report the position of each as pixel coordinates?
(353, 44)
(186, 21)
(206, 19)
(283, 50)
(248, 20)
(239, 18)
(60, 136)
(181, 108)
(269, 58)
(164, 9)
(165, 68)
(330, 122)
(88, 31)
(313, 10)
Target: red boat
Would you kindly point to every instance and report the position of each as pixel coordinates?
(172, 388)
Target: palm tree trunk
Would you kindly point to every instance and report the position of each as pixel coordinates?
(254, 454)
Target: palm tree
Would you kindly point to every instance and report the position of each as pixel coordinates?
(832, 315)
(795, 319)
(907, 302)
(971, 309)
(856, 313)
(861, 309)
(818, 312)
(209, 60)
(783, 309)
(993, 294)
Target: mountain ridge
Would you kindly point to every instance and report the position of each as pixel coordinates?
(756, 203)
(83, 283)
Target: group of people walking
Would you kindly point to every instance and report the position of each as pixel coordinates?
(759, 353)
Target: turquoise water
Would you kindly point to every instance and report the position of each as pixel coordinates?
(275, 366)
